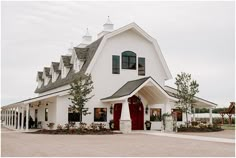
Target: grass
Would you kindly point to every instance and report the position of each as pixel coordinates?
(228, 127)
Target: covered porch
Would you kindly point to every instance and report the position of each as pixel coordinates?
(30, 114)
(133, 101)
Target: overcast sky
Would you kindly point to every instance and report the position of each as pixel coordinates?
(195, 37)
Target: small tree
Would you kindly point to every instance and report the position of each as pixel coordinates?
(80, 90)
(186, 90)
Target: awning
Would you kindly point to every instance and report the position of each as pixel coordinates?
(46, 96)
(147, 87)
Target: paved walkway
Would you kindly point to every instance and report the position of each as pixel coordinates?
(135, 144)
(194, 137)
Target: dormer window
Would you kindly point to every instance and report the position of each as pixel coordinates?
(129, 60)
(54, 71)
(65, 65)
(46, 75)
(39, 79)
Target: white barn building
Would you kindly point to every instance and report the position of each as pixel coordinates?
(129, 74)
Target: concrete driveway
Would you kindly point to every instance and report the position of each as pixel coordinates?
(139, 145)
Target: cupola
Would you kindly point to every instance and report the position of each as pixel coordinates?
(86, 40)
(107, 27)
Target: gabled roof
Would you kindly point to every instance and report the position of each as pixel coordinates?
(172, 92)
(46, 71)
(137, 29)
(131, 87)
(66, 60)
(91, 49)
(40, 75)
(127, 88)
(55, 66)
(81, 53)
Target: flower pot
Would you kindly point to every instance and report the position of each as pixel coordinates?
(148, 125)
(111, 125)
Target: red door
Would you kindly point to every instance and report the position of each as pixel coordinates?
(117, 114)
(136, 113)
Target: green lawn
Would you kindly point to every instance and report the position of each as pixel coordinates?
(228, 127)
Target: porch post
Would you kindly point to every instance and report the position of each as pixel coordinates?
(5, 117)
(22, 118)
(210, 110)
(18, 120)
(125, 121)
(194, 114)
(15, 119)
(27, 117)
(11, 117)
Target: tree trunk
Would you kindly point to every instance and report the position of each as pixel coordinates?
(187, 118)
(81, 116)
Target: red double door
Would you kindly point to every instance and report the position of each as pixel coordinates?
(136, 114)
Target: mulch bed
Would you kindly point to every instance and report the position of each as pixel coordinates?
(194, 129)
(76, 132)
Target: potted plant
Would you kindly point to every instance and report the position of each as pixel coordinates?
(111, 124)
(148, 125)
(50, 125)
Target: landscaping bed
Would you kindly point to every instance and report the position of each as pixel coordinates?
(196, 129)
(76, 131)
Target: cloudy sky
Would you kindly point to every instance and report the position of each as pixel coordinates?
(195, 37)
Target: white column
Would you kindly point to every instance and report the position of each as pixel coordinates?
(5, 117)
(22, 118)
(125, 114)
(18, 120)
(11, 117)
(210, 115)
(15, 119)
(194, 114)
(125, 121)
(27, 117)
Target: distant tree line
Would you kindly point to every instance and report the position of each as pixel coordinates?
(205, 110)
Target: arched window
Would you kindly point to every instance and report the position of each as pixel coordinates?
(128, 60)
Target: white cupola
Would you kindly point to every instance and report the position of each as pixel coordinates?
(86, 40)
(107, 27)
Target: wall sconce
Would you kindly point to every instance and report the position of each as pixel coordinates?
(146, 110)
(39, 103)
(111, 109)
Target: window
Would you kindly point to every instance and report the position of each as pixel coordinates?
(155, 114)
(100, 114)
(129, 60)
(73, 115)
(178, 114)
(115, 64)
(141, 66)
(46, 114)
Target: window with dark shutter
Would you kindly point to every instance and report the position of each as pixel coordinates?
(141, 66)
(116, 64)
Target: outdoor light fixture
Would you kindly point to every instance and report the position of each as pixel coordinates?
(146, 110)
(39, 103)
(46, 104)
(111, 109)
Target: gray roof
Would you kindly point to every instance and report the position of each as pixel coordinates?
(55, 66)
(81, 53)
(40, 75)
(66, 60)
(128, 88)
(47, 70)
(91, 49)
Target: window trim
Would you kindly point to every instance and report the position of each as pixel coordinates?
(160, 115)
(141, 58)
(129, 57)
(95, 113)
(113, 64)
